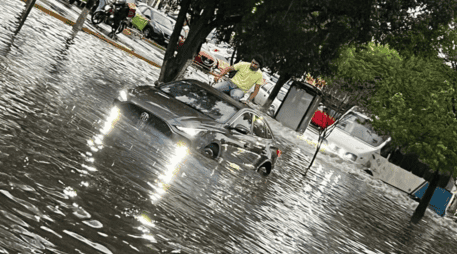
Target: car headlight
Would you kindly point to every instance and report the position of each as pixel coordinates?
(350, 156)
(189, 131)
(123, 95)
(107, 7)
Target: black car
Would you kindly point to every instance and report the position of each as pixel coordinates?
(207, 120)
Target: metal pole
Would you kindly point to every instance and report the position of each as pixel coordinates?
(29, 5)
(82, 18)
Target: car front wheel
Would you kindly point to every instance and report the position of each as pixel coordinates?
(265, 169)
(211, 151)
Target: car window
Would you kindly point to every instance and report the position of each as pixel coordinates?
(147, 13)
(245, 120)
(142, 9)
(360, 128)
(202, 100)
(259, 127)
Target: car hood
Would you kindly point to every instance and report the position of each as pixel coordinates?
(196, 122)
(167, 108)
(351, 144)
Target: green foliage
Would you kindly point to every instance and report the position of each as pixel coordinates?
(447, 43)
(367, 64)
(411, 99)
(415, 31)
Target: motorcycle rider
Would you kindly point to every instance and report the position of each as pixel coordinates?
(120, 14)
(101, 5)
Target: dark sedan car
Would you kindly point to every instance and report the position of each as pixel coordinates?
(207, 120)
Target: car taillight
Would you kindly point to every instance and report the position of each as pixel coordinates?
(278, 152)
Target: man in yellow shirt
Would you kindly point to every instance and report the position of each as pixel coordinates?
(248, 75)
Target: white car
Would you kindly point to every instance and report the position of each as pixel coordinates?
(353, 138)
(160, 26)
(265, 91)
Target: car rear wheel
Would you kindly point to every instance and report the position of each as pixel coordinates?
(211, 151)
(265, 169)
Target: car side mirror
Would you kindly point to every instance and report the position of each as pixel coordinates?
(239, 128)
(385, 142)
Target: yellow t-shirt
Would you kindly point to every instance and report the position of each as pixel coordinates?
(246, 78)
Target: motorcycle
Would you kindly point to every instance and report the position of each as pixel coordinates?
(113, 11)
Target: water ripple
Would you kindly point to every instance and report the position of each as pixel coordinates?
(75, 179)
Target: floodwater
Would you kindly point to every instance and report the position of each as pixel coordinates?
(78, 177)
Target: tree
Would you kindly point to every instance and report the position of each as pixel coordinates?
(305, 36)
(411, 101)
(205, 15)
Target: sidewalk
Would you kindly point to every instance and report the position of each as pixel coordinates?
(140, 48)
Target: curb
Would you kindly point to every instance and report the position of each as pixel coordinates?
(98, 35)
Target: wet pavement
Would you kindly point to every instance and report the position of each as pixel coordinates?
(76, 176)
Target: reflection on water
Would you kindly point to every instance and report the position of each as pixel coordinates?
(162, 184)
(76, 176)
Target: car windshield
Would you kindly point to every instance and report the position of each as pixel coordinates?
(202, 100)
(360, 128)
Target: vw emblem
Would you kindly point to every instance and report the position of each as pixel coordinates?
(144, 116)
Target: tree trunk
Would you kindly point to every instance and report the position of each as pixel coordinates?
(183, 70)
(174, 64)
(425, 200)
(169, 69)
(281, 81)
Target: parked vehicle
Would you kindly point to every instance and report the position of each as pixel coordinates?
(265, 91)
(204, 59)
(324, 117)
(115, 11)
(207, 120)
(159, 26)
(81, 3)
(353, 138)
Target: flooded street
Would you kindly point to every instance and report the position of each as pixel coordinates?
(78, 176)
